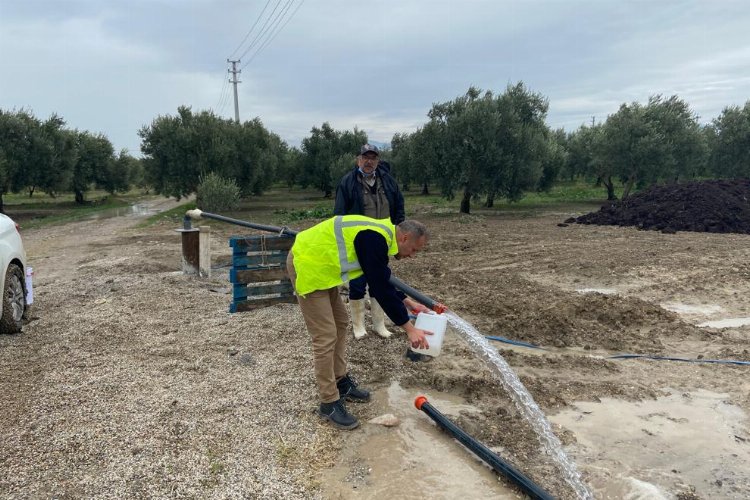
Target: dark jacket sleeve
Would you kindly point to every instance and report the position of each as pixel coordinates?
(348, 196)
(398, 212)
(339, 207)
(372, 253)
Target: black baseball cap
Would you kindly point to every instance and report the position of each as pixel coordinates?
(369, 148)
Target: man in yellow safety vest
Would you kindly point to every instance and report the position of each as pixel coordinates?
(330, 254)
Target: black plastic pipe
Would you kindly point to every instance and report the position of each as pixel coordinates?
(488, 456)
(418, 296)
(411, 292)
(197, 214)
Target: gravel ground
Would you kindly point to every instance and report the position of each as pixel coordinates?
(133, 381)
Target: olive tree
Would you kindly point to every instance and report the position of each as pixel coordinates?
(730, 142)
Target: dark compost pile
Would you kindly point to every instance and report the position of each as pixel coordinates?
(714, 206)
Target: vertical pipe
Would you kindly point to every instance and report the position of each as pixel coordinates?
(190, 250)
(204, 251)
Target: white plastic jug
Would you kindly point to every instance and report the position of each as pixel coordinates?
(435, 323)
(29, 286)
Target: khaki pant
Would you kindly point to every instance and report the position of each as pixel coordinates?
(327, 321)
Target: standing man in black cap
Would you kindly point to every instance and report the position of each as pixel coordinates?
(371, 191)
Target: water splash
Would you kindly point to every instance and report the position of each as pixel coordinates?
(523, 401)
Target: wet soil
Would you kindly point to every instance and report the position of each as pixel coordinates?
(134, 380)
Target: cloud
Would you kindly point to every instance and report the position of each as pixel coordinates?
(114, 66)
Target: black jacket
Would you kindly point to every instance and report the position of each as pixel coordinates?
(372, 254)
(349, 195)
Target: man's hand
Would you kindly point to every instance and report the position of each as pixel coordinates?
(417, 337)
(413, 305)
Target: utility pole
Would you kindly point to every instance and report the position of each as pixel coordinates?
(235, 81)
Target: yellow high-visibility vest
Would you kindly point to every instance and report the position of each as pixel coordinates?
(324, 255)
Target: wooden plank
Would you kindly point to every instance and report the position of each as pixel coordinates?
(258, 260)
(204, 251)
(260, 243)
(247, 291)
(249, 305)
(240, 276)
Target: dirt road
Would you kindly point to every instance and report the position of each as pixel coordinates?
(134, 381)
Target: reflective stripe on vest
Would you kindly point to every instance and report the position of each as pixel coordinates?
(338, 229)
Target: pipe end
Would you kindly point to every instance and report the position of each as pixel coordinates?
(420, 401)
(194, 214)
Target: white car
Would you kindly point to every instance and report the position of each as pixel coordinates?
(13, 279)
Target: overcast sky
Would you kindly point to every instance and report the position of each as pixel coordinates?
(112, 66)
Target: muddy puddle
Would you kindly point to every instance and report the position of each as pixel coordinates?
(726, 323)
(603, 291)
(412, 460)
(693, 309)
(696, 312)
(132, 210)
(658, 448)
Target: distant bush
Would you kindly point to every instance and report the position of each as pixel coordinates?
(217, 194)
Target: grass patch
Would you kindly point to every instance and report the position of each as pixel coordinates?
(284, 206)
(33, 216)
(293, 215)
(564, 195)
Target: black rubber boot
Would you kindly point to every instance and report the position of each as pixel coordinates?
(348, 390)
(338, 416)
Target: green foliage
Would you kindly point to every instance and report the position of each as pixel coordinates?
(729, 137)
(217, 194)
(639, 145)
(326, 155)
(94, 164)
(554, 162)
(483, 144)
(291, 215)
(180, 150)
(44, 155)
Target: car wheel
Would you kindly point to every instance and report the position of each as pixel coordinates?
(14, 301)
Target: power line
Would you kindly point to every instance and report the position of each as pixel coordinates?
(224, 97)
(273, 36)
(221, 95)
(262, 30)
(272, 26)
(251, 29)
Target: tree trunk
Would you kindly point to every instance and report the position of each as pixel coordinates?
(31, 191)
(79, 197)
(425, 189)
(466, 202)
(628, 187)
(610, 188)
(2, 204)
(490, 202)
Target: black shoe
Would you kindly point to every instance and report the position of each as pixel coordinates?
(336, 414)
(417, 356)
(348, 390)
